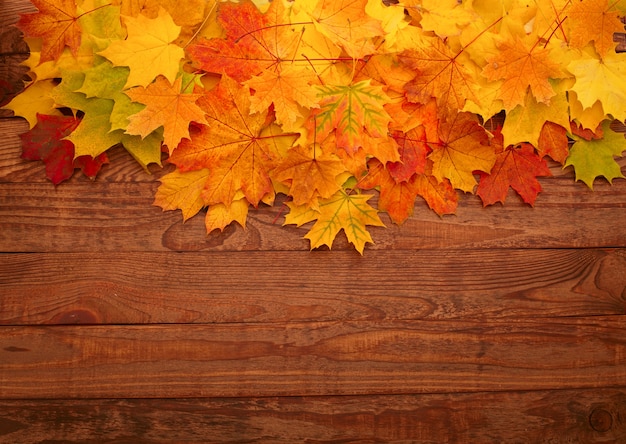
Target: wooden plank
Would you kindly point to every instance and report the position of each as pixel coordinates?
(306, 359)
(272, 287)
(120, 217)
(589, 416)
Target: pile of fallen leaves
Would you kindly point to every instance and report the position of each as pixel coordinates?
(325, 100)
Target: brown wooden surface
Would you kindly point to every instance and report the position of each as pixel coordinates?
(119, 323)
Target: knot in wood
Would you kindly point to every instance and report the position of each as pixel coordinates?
(601, 420)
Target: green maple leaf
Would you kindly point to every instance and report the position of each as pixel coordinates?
(95, 133)
(593, 158)
(350, 110)
(348, 212)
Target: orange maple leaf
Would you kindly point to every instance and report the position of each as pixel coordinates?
(56, 24)
(166, 106)
(346, 23)
(311, 174)
(448, 76)
(516, 167)
(396, 198)
(287, 89)
(593, 20)
(234, 147)
(553, 142)
(522, 64)
(440, 196)
(462, 149)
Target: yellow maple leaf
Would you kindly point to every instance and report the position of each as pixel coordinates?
(601, 80)
(166, 106)
(182, 191)
(345, 23)
(348, 212)
(219, 216)
(148, 50)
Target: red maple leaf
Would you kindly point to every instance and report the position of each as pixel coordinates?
(45, 142)
(518, 167)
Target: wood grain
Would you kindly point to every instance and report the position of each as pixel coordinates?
(566, 416)
(310, 359)
(134, 288)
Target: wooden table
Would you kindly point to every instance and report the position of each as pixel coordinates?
(119, 323)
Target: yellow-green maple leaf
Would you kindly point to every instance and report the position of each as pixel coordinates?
(348, 212)
(148, 50)
(594, 158)
(350, 109)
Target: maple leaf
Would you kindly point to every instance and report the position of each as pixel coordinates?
(525, 122)
(413, 151)
(34, 99)
(342, 211)
(553, 142)
(440, 196)
(311, 174)
(396, 198)
(346, 23)
(256, 42)
(516, 167)
(182, 191)
(462, 149)
(593, 20)
(350, 109)
(287, 89)
(444, 17)
(232, 146)
(45, 141)
(594, 158)
(148, 50)
(601, 80)
(440, 72)
(166, 106)
(56, 24)
(522, 64)
(219, 216)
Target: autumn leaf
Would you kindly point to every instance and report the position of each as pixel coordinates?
(219, 216)
(148, 50)
(166, 106)
(231, 146)
(182, 191)
(413, 150)
(516, 167)
(396, 198)
(462, 149)
(350, 110)
(601, 81)
(45, 142)
(596, 157)
(311, 174)
(593, 20)
(287, 89)
(56, 24)
(523, 65)
(440, 73)
(553, 142)
(342, 211)
(440, 196)
(346, 23)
